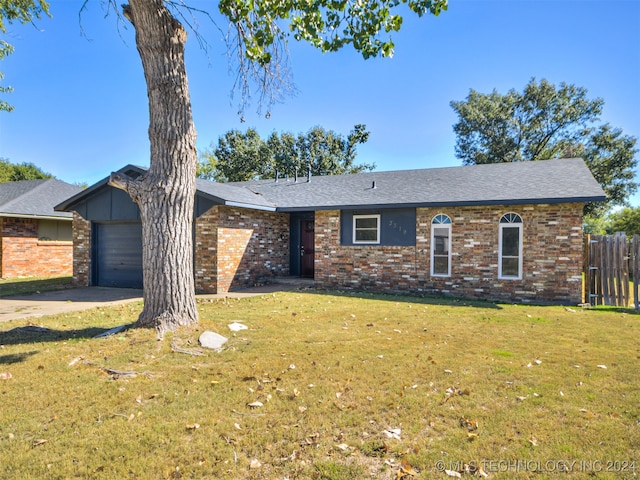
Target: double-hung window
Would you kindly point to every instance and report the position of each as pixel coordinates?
(510, 247)
(441, 246)
(366, 229)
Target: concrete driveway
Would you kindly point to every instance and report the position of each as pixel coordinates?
(61, 301)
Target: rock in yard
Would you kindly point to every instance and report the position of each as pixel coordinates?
(212, 340)
(236, 327)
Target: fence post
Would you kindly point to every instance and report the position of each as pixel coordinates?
(635, 244)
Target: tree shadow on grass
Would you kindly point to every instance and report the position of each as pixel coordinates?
(15, 357)
(409, 298)
(31, 334)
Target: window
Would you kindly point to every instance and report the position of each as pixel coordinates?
(440, 246)
(54, 230)
(366, 229)
(510, 247)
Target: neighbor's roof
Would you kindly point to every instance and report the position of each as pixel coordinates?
(550, 181)
(35, 198)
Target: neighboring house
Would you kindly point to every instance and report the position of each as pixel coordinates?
(35, 240)
(509, 231)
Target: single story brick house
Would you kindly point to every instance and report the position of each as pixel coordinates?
(510, 231)
(35, 240)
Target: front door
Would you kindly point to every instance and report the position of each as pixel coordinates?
(307, 250)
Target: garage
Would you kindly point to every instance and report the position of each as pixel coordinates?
(117, 254)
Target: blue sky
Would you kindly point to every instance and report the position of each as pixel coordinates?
(81, 107)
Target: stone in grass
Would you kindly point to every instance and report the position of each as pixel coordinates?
(212, 340)
(236, 327)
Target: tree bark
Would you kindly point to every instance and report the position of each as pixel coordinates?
(165, 194)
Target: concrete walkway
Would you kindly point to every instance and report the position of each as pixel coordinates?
(75, 299)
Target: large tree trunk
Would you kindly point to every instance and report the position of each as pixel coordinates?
(166, 193)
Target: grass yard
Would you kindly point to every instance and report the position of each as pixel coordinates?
(342, 387)
(25, 286)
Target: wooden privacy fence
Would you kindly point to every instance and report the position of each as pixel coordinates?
(611, 263)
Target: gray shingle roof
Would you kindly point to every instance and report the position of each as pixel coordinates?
(549, 181)
(230, 194)
(35, 198)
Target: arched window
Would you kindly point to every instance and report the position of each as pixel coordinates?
(510, 247)
(441, 246)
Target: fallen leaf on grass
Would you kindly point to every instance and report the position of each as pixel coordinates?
(453, 473)
(5, 376)
(193, 426)
(602, 366)
(255, 404)
(453, 391)
(343, 447)
(405, 470)
(74, 361)
(291, 457)
(468, 424)
(39, 441)
(255, 463)
(392, 433)
(533, 441)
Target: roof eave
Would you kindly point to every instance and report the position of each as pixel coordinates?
(36, 216)
(462, 203)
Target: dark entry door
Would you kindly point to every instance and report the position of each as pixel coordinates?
(307, 250)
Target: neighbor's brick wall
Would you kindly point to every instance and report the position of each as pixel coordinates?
(81, 251)
(23, 255)
(552, 263)
(237, 248)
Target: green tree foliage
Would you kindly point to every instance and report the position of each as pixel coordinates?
(263, 28)
(10, 172)
(626, 220)
(547, 121)
(23, 11)
(596, 225)
(245, 156)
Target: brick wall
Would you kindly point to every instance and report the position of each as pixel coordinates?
(552, 261)
(81, 251)
(237, 248)
(23, 255)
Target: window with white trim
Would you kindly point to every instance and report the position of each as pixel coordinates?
(510, 247)
(441, 246)
(366, 229)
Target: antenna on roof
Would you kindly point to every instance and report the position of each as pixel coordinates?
(374, 184)
(276, 175)
(295, 172)
(309, 174)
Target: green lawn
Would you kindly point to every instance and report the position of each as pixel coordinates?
(350, 387)
(25, 286)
